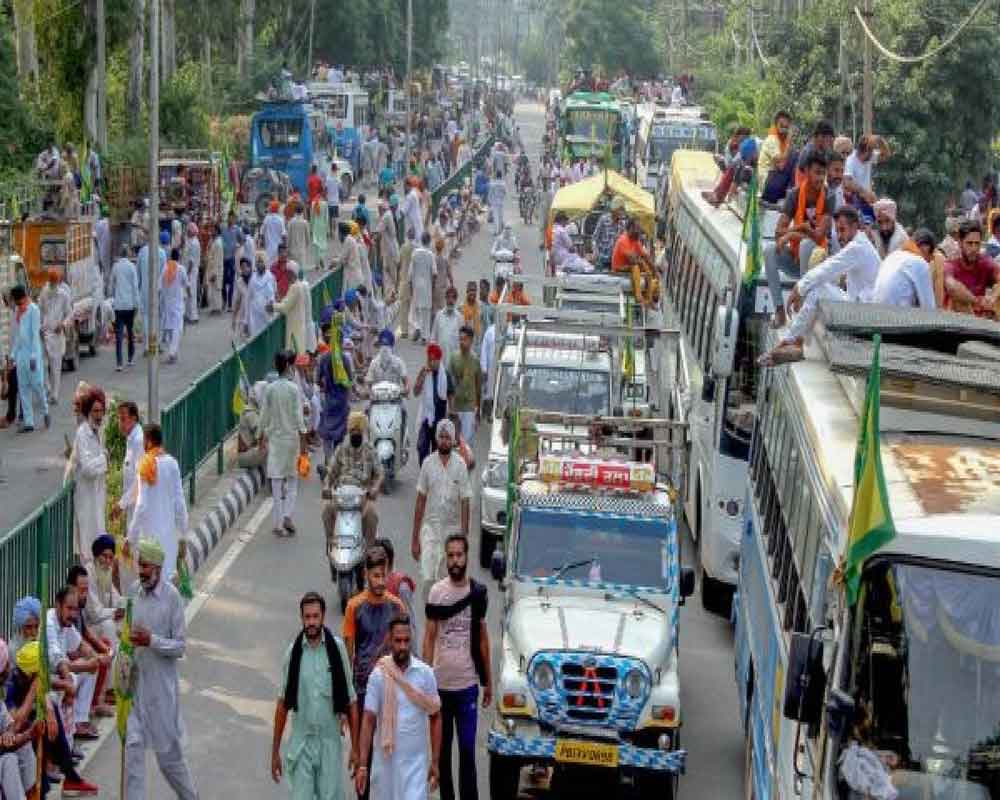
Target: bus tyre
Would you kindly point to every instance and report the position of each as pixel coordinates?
(487, 544)
(505, 777)
(713, 595)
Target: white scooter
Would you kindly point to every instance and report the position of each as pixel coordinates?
(346, 550)
(506, 263)
(386, 429)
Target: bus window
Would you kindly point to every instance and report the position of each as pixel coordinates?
(281, 134)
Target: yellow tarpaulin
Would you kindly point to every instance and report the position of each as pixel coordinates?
(580, 198)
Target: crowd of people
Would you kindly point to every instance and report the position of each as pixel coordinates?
(840, 241)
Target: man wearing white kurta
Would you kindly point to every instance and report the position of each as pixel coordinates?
(56, 305)
(401, 727)
(160, 510)
(214, 273)
(904, 279)
(159, 635)
(173, 291)
(300, 333)
(135, 448)
(261, 293)
(88, 464)
(423, 270)
(284, 427)
(192, 265)
(273, 231)
(299, 237)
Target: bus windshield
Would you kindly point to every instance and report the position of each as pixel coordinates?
(575, 391)
(600, 548)
(595, 125)
(926, 682)
(280, 134)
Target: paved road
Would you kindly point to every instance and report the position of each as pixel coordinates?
(237, 639)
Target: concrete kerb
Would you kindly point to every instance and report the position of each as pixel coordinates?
(226, 502)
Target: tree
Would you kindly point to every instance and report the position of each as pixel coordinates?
(614, 36)
(20, 131)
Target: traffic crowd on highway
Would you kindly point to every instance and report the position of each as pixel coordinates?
(392, 696)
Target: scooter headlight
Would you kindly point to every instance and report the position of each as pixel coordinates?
(543, 676)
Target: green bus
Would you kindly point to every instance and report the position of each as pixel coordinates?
(590, 122)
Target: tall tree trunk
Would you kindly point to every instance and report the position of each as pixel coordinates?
(136, 50)
(24, 39)
(245, 37)
(90, 105)
(206, 61)
(168, 46)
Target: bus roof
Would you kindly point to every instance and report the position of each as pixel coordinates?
(591, 99)
(943, 485)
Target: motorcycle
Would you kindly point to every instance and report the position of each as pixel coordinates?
(386, 429)
(346, 550)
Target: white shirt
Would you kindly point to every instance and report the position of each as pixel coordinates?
(134, 450)
(332, 189)
(486, 358)
(904, 279)
(413, 214)
(61, 641)
(858, 260)
(444, 487)
(860, 171)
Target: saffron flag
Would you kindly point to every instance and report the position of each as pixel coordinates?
(751, 234)
(870, 526)
(124, 677)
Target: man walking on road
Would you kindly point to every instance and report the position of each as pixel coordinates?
(215, 268)
(158, 634)
(402, 705)
(300, 333)
(423, 270)
(298, 238)
(232, 238)
(262, 291)
(173, 290)
(446, 325)
(466, 376)
(191, 257)
(125, 301)
(284, 428)
(317, 685)
(160, 510)
(442, 507)
(457, 644)
(88, 464)
(366, 625)
(26, 352)
(56, 304)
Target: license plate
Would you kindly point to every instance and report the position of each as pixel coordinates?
(591, 754)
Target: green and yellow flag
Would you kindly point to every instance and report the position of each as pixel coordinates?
(241, 393)
(628, 358)
(870, 526)
(751, 234)
(123, 678)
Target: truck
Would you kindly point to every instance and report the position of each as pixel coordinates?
(592, 582)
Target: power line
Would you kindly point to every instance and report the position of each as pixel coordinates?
(930, 53)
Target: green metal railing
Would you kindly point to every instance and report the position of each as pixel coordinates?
(195, 426)
(458, 177)
(44, 537)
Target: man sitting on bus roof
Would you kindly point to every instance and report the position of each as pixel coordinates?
(804, 225)
(971, 281)
(732, 176)
(630, 256)
(857, 261)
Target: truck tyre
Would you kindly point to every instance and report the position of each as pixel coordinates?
(487, 544)
(505, 777)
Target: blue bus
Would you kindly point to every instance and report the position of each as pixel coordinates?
(282, 138)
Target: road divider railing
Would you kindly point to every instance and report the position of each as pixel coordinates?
(195, 427)
(459, 176)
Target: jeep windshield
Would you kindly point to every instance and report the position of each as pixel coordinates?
(926, 682)
(575, 391)
(597, 548)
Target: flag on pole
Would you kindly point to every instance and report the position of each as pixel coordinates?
(241, 394)
(124, 677)
(751, 234)
(86, 179)
(340, 376)
(870, 526)
(628, 359)
(41, 712)
(513, 457)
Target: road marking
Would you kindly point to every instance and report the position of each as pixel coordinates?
(245, 536)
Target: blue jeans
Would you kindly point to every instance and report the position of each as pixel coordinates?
(124, 321)
(779, 263)
(459, 709)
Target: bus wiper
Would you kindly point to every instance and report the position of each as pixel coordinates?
(645, 600)
(571, 565)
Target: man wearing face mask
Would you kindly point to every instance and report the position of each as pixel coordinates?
(354, 463)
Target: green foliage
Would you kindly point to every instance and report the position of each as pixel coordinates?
(22, 135)
(613, 36)
(184, 115)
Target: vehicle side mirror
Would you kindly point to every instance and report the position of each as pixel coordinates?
(727, 325)
(806, 682)
(687, 582)
(498, 564)
(839, 712)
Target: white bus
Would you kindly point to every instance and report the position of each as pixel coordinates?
(722, 323)
(906, 683)
(661, 131)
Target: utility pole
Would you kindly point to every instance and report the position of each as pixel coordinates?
(102, 81)
(867, 103)
(153, 244)
(409, 84)
(312, 27)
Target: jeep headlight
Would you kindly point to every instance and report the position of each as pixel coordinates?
(543, 676)
(495, 474)
(634, 683)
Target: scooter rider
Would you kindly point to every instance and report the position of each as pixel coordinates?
(506, 240)
(387, 366)
(354, 463)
